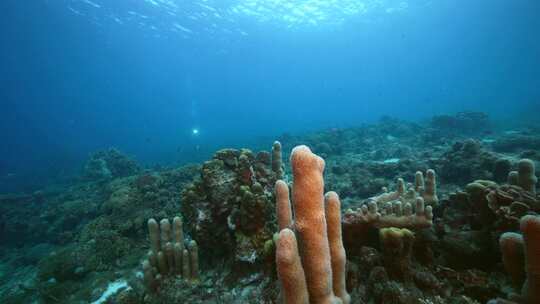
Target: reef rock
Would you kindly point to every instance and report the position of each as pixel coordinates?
(109, 164)
(462, 122)
(466, 161)
(229, 209)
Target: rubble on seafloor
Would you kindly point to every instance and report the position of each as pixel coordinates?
(429, 214)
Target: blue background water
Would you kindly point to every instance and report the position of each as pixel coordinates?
(77, 78)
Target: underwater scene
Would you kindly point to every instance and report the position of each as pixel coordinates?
(270, 151)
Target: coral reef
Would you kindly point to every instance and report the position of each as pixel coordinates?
(463, 122)
(108, 164)
(472, 220)
(441, 238)
(517, 142)
(91, 231)
(465, 161)
(502, 206)
(403, 271)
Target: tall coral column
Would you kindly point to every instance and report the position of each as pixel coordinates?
(530, 226)
(523, 250)
(318, 256)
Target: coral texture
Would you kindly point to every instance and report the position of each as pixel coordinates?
(229, 210)
(440, 241)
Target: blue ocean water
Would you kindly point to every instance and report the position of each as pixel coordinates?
(170, 81)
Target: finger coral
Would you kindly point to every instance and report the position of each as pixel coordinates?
(526, 176)
(513, 247)
(397, 250)
(168, 255)
(318, 229)
(511, 244)
(403, 208)
(277, 163)
(290, 271)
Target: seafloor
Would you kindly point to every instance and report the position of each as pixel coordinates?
(91, 241)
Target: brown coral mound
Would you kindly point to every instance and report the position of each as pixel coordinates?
(506, 204)
(229, 210)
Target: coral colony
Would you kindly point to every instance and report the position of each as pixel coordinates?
(394, 212)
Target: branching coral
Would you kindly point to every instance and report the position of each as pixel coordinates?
(394, 214)
(403, 208)
(427, 190)
(313, 272)
(168, 255)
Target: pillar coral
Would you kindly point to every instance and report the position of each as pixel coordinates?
(525, 176)
(530, 226)
(513, 247)
(409, 206)
(277, 164)
(397, 247)
(168, 255)
(312, 269)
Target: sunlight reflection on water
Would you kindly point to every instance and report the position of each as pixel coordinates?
(191, 18)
